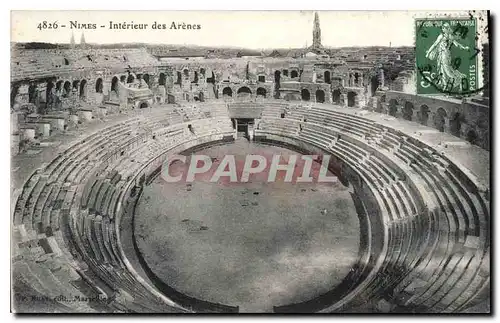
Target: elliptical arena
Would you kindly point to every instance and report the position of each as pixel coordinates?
(406, 228)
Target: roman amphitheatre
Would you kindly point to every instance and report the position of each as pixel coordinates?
(405, 228)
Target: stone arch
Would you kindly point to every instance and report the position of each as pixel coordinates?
(227, 91)
(162, 80)
(66, 89)
(294, 74)
(305, 95)
(320, 96)
(261, 92)
(83, 89)
(471, 136)
(327, 77)
(59, 86)
(143, 105)
(114, 84)
(393, 107)
(424, 114)
(336, 96)
(440, 119)
(408, 111)
(455, 124)
(99, 86)
(244, 91)
(351, 98)
(130, 78)
(76, 85)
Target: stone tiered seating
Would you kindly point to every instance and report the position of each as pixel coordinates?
(447, 206)
(82, 185)
(436, 217)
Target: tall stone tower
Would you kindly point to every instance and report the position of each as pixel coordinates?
(316, 32)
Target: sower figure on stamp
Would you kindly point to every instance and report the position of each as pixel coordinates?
(440, 51)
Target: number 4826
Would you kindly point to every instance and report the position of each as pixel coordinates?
(47, 25)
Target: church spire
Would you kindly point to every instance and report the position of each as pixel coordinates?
(82, 41)
(316, 32)
(72, 41)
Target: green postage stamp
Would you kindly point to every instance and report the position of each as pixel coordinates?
(446, 56)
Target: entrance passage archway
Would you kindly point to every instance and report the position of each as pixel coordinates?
(351, 98)
(320, 96)
(67, 89)
(83, 89)
(114, 85)
(98, 85)
(261, 92)
(471, 137)
(305, 95)
(227, 91)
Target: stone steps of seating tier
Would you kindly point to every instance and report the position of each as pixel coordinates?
(59, 198)
(47, 284)
(363, 123)
(457, 282)
(342, 127)
(316, 138)
(366, 127)
(444, 196)
(386, 204)
(445, 281)
(456, 195)
(106, 237)
(475, 285)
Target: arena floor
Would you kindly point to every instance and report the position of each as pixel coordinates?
(252, 245)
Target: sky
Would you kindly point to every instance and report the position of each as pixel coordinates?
(249, 29)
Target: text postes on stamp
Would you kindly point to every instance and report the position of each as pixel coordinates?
(446, 56)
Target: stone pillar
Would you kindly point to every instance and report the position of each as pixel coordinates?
(447, 125)
(430, 120)
(344, 96)
(415, 116)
